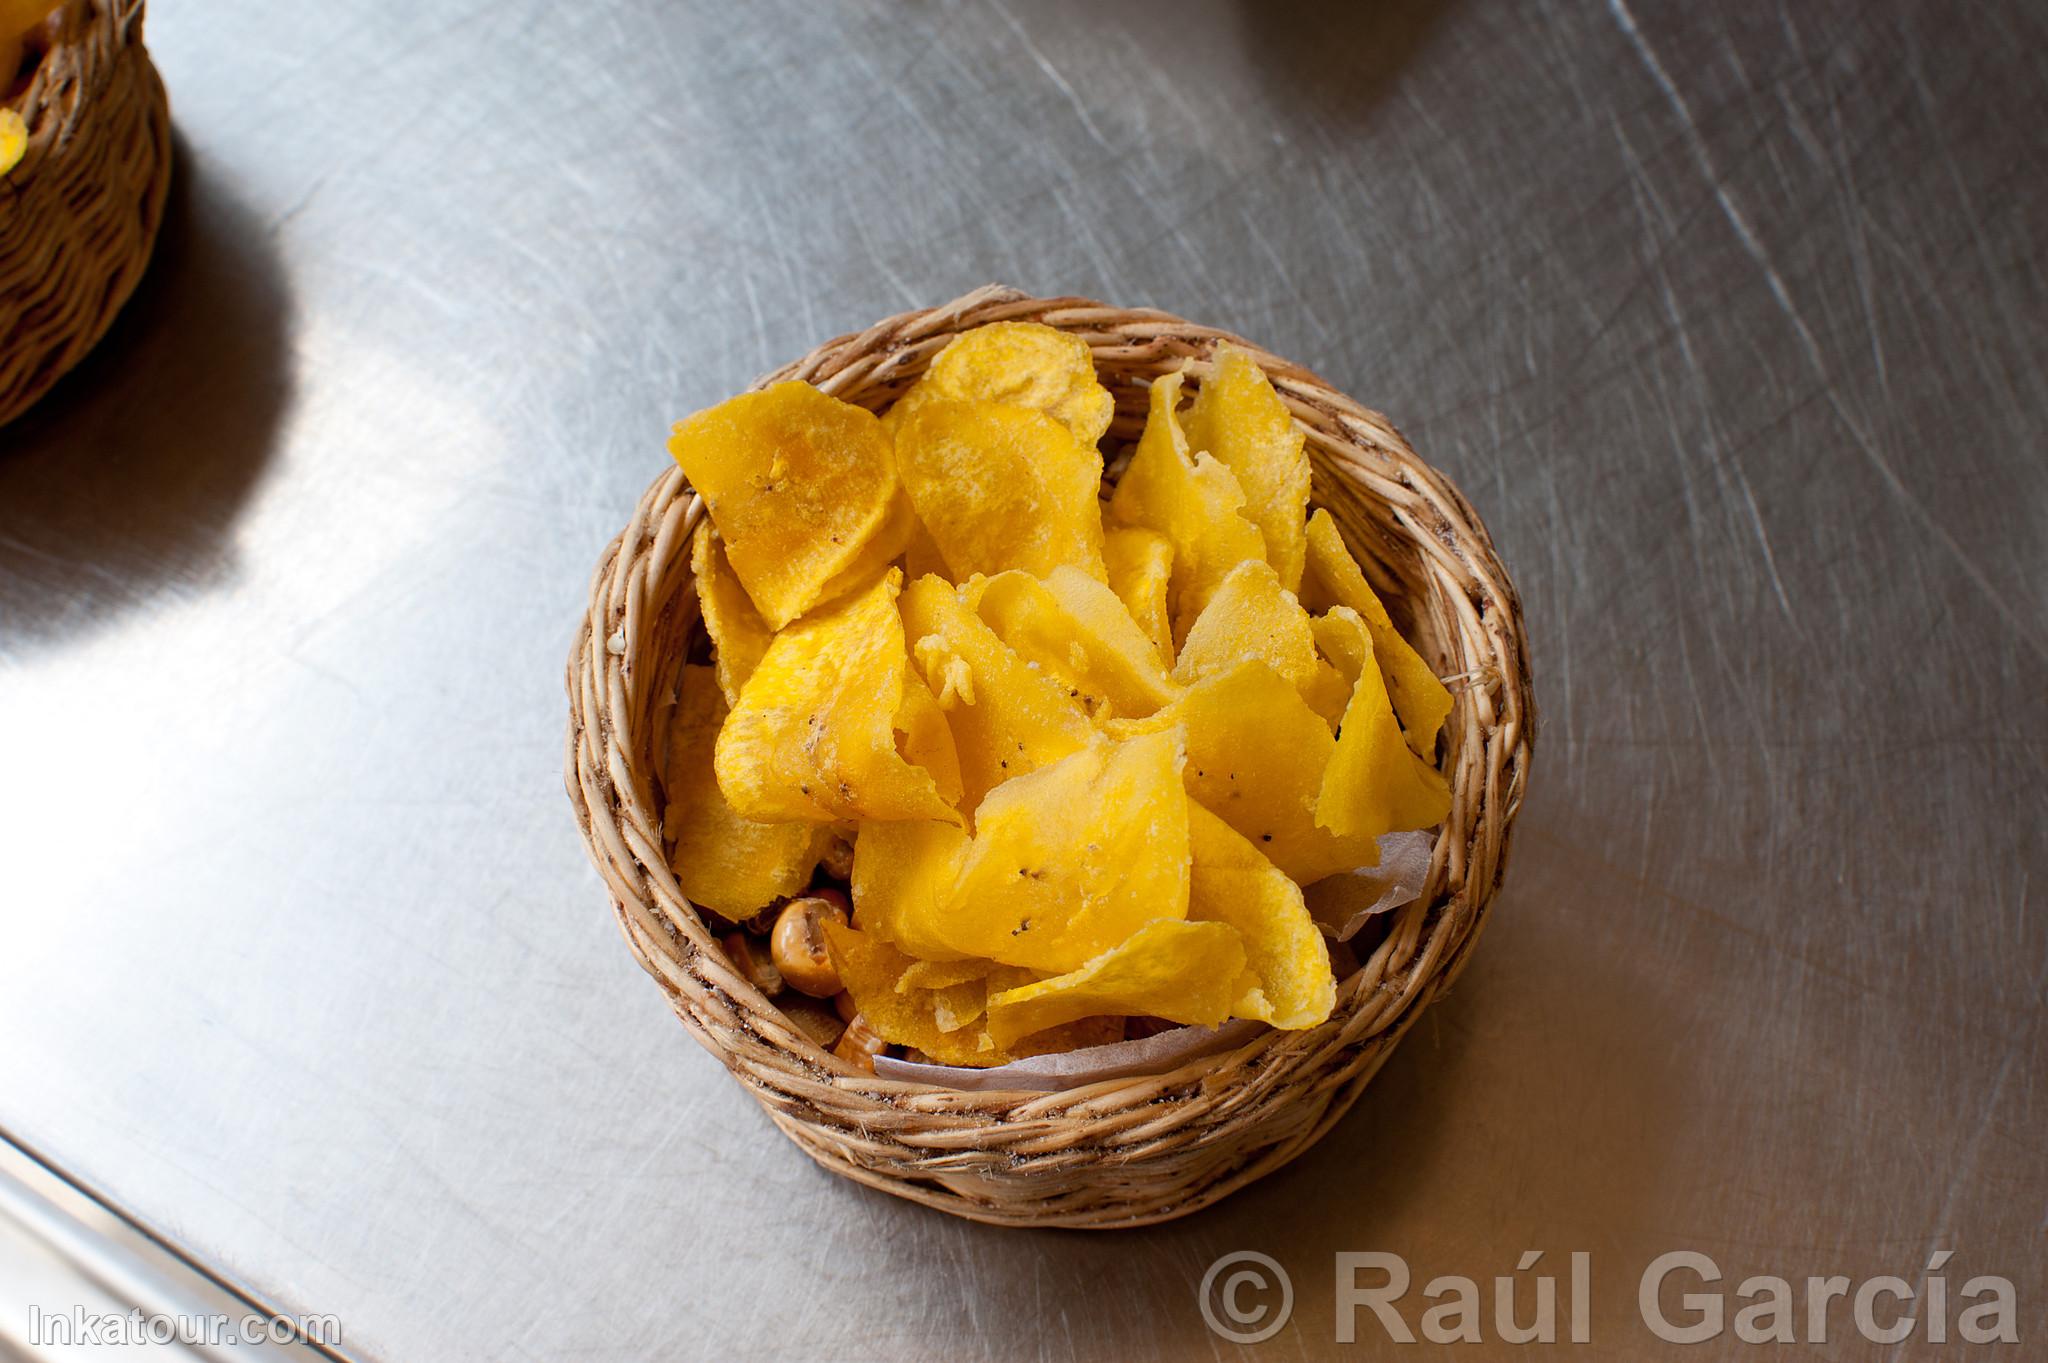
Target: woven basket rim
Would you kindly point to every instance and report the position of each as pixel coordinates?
(855, 1122)
(85, 201)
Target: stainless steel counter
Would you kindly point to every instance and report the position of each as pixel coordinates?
(1730, 319)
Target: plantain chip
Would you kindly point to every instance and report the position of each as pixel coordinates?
(925, 739)
(943, 974)
(1140, 567)
(1068, 860)
(1232, 883)
(943, 1021)
(739, 636)
(1334, 579)
(903, 876)
(1002, 487)
(13, 127)
(1073, 628)
(1256, 755)
(1182, 971)
(798, 484)
(1253, 616)
(1341, 637)
(1193, 501)
(871, 970)
(1238, 418)
(812, 736)
(730, 865)
(1375, 783)
(1021, 364)
(889, 544)
(1006, 717)
(921, 556)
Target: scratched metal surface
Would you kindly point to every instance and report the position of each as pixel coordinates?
(1730, 319)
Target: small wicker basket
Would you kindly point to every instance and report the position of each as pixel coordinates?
(79, 214)
(1125, 1152)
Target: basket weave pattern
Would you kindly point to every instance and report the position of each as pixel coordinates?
(81, 210)
(1126, 1152)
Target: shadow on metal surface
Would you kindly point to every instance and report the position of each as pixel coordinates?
(125, 481)
(1341, 60)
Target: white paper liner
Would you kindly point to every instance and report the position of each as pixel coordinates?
(1073, 1069)
(1340, 905)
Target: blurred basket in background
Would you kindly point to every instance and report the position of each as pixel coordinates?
(79, 212)
(1121, 1152)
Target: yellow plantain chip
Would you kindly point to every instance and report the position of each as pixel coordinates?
(1002, 487)
(13, 128)
(943, 974)
(1375, 783)
(889, 544)
(1238, 418)
(1253, 616)
(812, 736)
(797, 483)
(1181, 971)
(1256, 755)
(925, 739)
(1069, 860)
(871, 968)
(1020, 364)
(1193, 501)
(1075, 630)
(739, 636)
(957, 1006)
(1140, 567)
(730, 865)
(921, 556)
(943, 1021)
(903, 876)
(1341, 637)
(1334, 579)
(1007, 718)
(1234, 884)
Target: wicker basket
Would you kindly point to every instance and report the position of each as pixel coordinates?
(79, 214)
(1131, 1151)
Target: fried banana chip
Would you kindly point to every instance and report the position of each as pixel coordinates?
(739, 636)
(921, 557)
(871, 970)
(925, 739)
(13, 127)
(1234, 884)
(943, 974)
(813, 735)
(1333, 578)
(1140, 567)
(1182, 971)
(890, 542)
(1194, 501)
(1256, 755)
(1375, 783)
(797, 483)
(944, 1021)
(1237, 417)
(1253, 616)
(1020, 364)
(1006, 717)
(1075, 630)
(1002, 487)
(730, 865)
(903, 877)
(1069, 860)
